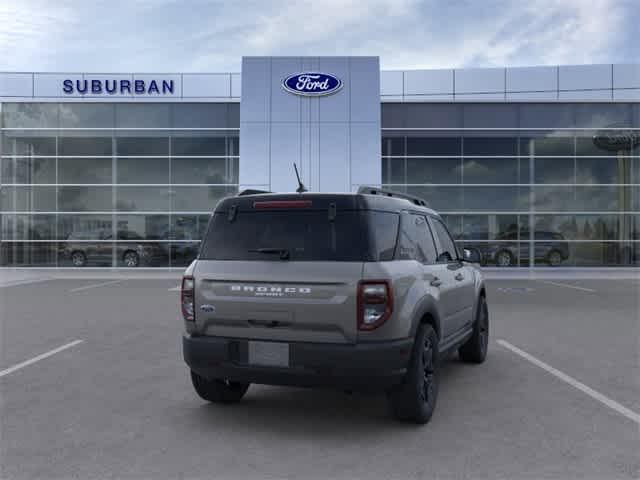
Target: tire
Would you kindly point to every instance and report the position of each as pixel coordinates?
(415, 400)
(554, 258)
(504, 258)
(130, 259)
(475, 349)
(78, 259)
(218, 390)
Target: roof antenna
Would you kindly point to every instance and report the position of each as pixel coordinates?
(301, 188)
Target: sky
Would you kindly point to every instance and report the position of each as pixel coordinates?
(164, 36)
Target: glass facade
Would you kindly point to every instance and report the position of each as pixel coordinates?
(112, 184)
(131, 184)
(528, 184)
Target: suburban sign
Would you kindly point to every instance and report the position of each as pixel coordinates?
(99, 86)
(312, 84)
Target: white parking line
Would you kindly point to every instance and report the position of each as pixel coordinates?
(175, 289)
(612, 404)
(567, 285)
(39, 357)
(24, 282)
(95, 285)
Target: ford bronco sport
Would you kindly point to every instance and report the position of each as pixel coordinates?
(356, 291)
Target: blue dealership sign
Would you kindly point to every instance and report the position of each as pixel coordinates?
(312, 84)
(118, 86)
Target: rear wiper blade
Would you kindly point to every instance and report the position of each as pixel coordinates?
(283, 252)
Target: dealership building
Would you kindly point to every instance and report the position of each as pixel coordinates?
(535, 166)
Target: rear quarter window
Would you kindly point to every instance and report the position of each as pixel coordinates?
(382, 232)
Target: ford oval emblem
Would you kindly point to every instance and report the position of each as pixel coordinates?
(312, 84)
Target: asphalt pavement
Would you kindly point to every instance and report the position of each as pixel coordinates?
(93, 385)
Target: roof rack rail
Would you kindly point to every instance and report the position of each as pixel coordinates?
(251, 191)
(390, 193)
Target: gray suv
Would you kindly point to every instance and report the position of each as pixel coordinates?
(362, 291)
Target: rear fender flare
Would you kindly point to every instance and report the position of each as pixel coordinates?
(426, 306)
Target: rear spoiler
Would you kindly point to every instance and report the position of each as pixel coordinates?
(251, 191)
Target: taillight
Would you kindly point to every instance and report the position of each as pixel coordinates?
(187, 298)
(375, 303)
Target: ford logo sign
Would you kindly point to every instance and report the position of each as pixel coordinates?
(312, 84)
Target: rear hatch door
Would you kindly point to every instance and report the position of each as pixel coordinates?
(281, 273)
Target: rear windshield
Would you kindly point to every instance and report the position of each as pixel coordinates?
(296, 235)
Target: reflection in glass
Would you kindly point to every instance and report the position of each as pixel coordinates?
(603, 170)
(547, 146)
(183, 253)
(90, 115)
(496, 198)
(202, 115)
(148, 227)
(142, 170)
(199, 199)
(490, 146)
(85, 145)
(27, 199)
(84, 170)
(143, 115)
(17, 143)
(78, 252)
(144, 199)
(188, 227)
(394, 170)
(204, 170)
(133, 254)
(490, 170)
(84, 199)
(590, 227)
(85, 227)
(586, 254)
(192, 146)
(554, 170)
(442, 199)
(30, 115)
(26, 254)
(28, 227)
(491, 227)
(434, 170)
(434, 146)
(28, 170)
(393, 146)
(475, 227)
(147, 146)
(601, 199)
(554, 198)
(500, 254)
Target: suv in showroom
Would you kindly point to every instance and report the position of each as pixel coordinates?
(550, 248)
(356, 291)
(82, 249)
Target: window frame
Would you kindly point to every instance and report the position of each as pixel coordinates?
(439, 249)
(411, 213)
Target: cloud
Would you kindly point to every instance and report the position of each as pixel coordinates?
(202, 35)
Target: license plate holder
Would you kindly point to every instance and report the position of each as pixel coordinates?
(269, 354)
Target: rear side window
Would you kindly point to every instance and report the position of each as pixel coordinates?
(414, 240)
(305, 235)
(382, 233)
(447, 252)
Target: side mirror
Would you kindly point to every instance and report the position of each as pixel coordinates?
(472, 255)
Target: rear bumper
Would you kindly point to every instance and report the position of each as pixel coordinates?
(371, 366)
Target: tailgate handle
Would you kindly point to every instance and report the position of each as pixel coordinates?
(267, 323)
